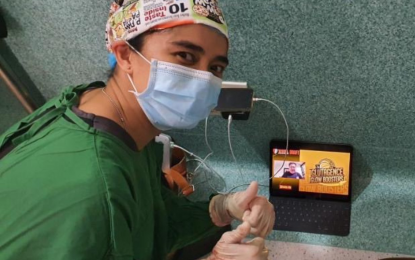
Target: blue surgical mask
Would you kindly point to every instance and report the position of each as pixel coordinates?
(177, 97)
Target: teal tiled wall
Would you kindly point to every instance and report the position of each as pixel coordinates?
(343, 71)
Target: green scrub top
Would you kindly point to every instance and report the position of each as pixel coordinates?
(69, 190)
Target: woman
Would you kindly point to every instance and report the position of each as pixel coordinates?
(80, 177)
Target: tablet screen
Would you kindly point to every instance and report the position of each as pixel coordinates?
(311, 169)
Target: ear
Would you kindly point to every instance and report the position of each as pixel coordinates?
(123, 54)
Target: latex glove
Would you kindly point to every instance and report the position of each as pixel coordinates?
(230, 246)
(244, 206)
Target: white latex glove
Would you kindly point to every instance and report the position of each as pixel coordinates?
(244, 206)
(230, 246)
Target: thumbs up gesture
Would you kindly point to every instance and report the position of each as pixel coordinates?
(245, 206)
(231, 246)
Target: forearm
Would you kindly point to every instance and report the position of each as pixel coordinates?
(218, 210)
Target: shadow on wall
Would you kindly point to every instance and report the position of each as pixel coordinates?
(11, 22)
(362, 174)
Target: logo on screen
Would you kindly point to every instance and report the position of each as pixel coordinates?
(326, 172)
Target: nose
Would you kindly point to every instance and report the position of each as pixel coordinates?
(203, 65)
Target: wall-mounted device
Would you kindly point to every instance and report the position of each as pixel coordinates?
(235, 99)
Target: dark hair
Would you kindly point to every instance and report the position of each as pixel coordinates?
(292, 163)
(137, 43)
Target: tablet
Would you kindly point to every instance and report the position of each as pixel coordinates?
(311, 170)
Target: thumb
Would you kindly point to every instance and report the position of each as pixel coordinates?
(236, 236)
(250, 193)
(246, 215)
(258, 241)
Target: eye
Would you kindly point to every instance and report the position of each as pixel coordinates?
(187, 57)
(217, 69)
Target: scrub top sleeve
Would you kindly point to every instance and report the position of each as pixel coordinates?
(188, 221)
(25, 123)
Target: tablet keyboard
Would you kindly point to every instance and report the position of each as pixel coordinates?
(312, 216)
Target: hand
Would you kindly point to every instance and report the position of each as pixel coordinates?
(230, 246)
(244, 206)
(256, 210)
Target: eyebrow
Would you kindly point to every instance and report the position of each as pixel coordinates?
(197, 48)
(189, 45)
(223, 59)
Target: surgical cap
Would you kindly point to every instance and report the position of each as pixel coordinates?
(130, 18)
